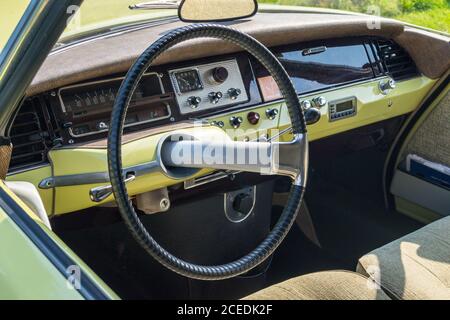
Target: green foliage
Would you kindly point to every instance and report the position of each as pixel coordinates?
(428, 13)
(388, 8)
(422, 5)
(438, 19)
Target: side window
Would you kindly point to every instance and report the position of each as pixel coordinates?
(10, 14)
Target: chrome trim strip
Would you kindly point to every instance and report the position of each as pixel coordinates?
(215, 176)
(96, 177)
(27, 169)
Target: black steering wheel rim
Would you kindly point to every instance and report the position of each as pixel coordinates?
(127, 211)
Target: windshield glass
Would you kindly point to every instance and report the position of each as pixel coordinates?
(433, 14)
(95, 15)
(99, 16)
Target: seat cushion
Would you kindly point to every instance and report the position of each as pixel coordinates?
(330, 285)
(414, 267)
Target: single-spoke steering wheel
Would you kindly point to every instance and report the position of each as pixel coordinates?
(291, 158)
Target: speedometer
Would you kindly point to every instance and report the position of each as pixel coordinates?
(99, 96)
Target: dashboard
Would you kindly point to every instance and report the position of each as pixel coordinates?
(349, 82)
(199, 89)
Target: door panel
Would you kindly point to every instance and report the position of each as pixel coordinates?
(35, 264)
(420, 182)
(432, 138)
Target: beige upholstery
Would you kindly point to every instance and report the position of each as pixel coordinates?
(431, 140)
(28, 193)
(414, 267)
(330, 285)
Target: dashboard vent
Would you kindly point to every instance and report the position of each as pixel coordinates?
(396, 61)
(30, 136)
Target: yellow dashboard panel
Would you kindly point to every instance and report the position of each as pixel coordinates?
(88, 165)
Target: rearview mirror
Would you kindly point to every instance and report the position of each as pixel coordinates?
(216, 10)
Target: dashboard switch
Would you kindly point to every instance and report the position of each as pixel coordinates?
(236, 122)
(215, 97)
(253, 118)
(320, 102)
(194, 102)
(272, 113)
(234, 93)
(243, 203)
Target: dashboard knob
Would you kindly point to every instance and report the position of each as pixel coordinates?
(236, 122)
(312, 116)
(219, 124)
(320, 102)
(194, 102)
(234, 93)
(272, 113)
(243, 203)
(253, 118)
(220, 74)
(102, 126)
(306, 104)
(215, 97)
(387, 85)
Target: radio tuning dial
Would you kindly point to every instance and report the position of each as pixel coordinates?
(194, 102)
(220, 74)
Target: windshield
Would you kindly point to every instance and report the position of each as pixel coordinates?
(98, 16)
(94, 16)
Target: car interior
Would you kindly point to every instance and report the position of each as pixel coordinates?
(374, 223)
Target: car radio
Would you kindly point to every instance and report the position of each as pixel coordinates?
(208, 86)
(341, 109)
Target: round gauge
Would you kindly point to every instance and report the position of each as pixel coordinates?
(188, 81)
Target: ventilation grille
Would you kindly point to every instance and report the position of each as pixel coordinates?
(396, 61)
(30, 136)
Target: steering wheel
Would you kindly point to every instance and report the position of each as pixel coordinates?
(292, 160)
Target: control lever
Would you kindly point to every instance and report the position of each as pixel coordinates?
(100, 194)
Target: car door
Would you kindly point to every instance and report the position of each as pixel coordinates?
(35, 263)
(418, 171)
